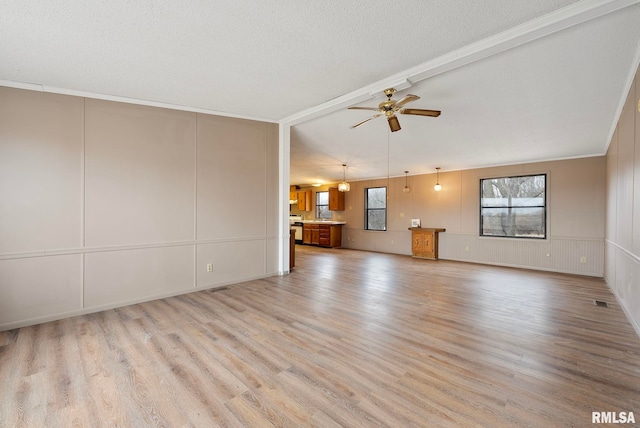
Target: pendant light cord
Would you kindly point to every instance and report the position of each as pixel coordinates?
(388, 162)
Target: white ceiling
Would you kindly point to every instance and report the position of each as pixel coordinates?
(516, 80)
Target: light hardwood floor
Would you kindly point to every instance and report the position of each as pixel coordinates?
(350, 338)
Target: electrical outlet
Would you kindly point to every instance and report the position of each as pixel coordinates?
(401, 214)
(392, 242)
(466, 248)
(583, 259)
(209, 267)
(548, 255)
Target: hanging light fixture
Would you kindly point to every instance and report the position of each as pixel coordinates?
(406, 189)
(437, 187)
(344, 186)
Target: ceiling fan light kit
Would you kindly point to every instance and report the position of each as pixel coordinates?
(390, 107)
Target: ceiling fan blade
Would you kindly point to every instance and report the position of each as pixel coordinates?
(394, 124)
(420, 112)
(365, 121)
(409, 98)
(363, 108)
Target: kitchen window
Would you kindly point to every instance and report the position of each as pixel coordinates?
(322, 205)
(514, 207)
(375, 208)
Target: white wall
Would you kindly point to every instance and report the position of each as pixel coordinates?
(104, 204)
(622, 263)
(575, 211)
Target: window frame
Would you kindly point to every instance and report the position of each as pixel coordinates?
(367, 209)
(544, 207)
(322, 205)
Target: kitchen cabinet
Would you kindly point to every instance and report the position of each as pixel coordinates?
(336, 199)
(304, 200)
(424, 242)
(292, 248)
(311, 234)
(324, 235)
(293, 193)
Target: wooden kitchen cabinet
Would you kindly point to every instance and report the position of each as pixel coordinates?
(311, 234)
(293, 193)
(304, 200)
(336, 199)
(292, 248)
(424, 242)
(324, 235)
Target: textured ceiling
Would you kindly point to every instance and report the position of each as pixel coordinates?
(549, 98)
(553, 98)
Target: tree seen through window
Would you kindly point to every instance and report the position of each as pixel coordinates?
(513, 206)
(375, 208)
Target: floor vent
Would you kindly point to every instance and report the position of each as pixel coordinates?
(213, 290)
(601, 303)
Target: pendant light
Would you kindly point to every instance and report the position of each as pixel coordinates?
(344, 186)
(406, 189)
(437, 187)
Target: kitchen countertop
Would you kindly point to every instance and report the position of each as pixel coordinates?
(323, 222)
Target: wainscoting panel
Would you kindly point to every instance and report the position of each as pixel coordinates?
(36, 287)
(393, 242)
(233, 261)
(579, 256)
(585, 257)
(126, 276)
(623, 278)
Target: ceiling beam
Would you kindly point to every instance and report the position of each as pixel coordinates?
(569, 16)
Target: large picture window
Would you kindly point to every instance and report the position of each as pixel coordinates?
(514, 207)
(375, 208)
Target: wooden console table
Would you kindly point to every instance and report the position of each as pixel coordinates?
(424, 242)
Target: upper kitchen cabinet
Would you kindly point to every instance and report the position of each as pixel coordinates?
(304, 200)
(293, 193)
(336, 199)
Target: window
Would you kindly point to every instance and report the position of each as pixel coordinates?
(514, 207)
(322, 205)
(375, 208)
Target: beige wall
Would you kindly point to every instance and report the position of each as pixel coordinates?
(575, 211)
(104, 204)
(622, 265)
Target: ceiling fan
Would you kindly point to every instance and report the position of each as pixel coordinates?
(390, 107)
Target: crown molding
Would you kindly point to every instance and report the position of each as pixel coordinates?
(84, 94)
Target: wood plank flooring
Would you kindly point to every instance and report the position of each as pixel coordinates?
(348, 339)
